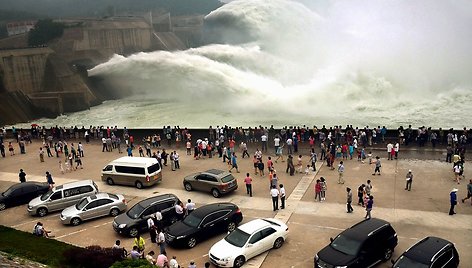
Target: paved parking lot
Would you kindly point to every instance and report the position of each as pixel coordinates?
(415, 214)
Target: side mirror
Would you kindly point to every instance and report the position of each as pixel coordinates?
(392, 261)
(331, 239)
(249, 245)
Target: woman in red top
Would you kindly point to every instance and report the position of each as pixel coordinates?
(318, 190)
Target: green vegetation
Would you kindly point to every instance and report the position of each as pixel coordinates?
(70, 8)
(132, 263)
(45, 31)
(28, 246)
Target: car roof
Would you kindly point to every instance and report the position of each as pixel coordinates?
(99, 196)
(135, 160)
(254, 225)
(153, 199)
(365, 228)
(425, 249)
(74, 184)
(216, 172)
(19, 185)
(206, 209)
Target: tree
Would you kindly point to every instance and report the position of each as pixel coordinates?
(44, 31)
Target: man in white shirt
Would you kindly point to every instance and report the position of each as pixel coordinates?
(161, 241)
(190, 206)
(173, 262)
(397, 148)
(179, 210)
(264, 142)
(274, 193)
(282, 196)
(158, 219)
(289, 145)
(276, 143)
(389, 150)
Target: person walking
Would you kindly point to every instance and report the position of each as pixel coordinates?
(469, 192)
(274, 193)
(453, 199)
(349, 200)
(41, 154)
(22, 176)
(190, 206)
(409, 180)
(324, 188)
(234, 163)
(378, 165)
(282, 196)
(248, 182)
(341, 173)
(369, 206)
(49, 180)
(360, 195)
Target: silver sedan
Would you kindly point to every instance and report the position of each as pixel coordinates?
(101, 204)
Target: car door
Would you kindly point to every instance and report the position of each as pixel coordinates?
(445, 260)
(55, 201)
(90, 210)
(103, 207)
(29, 193)
(167, 209)
(208, 226)
(199, 182)
(268, 237)
(142, 225)
(15, 197)
(370, 252)
(254, 247)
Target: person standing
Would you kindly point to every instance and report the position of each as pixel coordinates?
(396, 149)
(248, 182)
(409, 180)
(369, 206)
(22, 176)
(349, 200)
(389, 151)
(368, 188)
(276, 143)
(453, 199)
(318, 190)
(360, 195)
(190, 206)
(49, 180)
(152, 229)
(282, 196)
(158, 219)
(161, 241)
(173, 262)
(341, 173)
(469, 192)
(378, 165)
(274, 193)
(176, 160)
(179, 210)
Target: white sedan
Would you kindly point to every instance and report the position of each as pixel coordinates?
(247, 241)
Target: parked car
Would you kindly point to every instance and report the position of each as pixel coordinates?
(215, 181)
(362, 245)
(247, 241)
(62, 196)
(203, 223)
(99, 205)
(22, 193)
(429, 252)
(134, 171)
(134, 221)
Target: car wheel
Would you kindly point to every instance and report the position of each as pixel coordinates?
(3, 206)
(139, 185)
(239, 261)
(231, 226)
(388, 254)
(188, 186)
(215, 193)
(110, 181)
(42, 212)
(278, 242)
(75, 221)
(191, 242)
(133, 232)
(114, 212)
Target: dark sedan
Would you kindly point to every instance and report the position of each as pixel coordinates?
(22, 193)
(202, 223)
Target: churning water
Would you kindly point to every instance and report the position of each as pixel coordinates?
(280, 62)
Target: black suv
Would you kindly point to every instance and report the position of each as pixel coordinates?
(363, 245)
(203, 223)
(134, 221)
(431, 252)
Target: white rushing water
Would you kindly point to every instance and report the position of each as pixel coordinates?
(279, 62)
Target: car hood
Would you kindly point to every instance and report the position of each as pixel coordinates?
(223, 249)
(179, 229)
(191, 176)
(334, 257)
(124, 218)
(35, 202)
(70, 211)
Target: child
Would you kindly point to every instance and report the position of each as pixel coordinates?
(318, 190)
(61, 168)
(189, 146)
(299, 164)
(307, 170)
(66, 163)
(369, 155)
(260, 166)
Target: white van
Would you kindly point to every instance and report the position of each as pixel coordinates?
(62, 196)
(135, 171)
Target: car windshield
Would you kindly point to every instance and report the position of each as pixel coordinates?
(8, 192)
(81, 204)
(227, 178)
(192, 220)
(237, 238)
(135, 211)
(346, 245)
(46, 195)
(404, 261)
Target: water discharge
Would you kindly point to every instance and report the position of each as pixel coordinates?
(282, 62)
